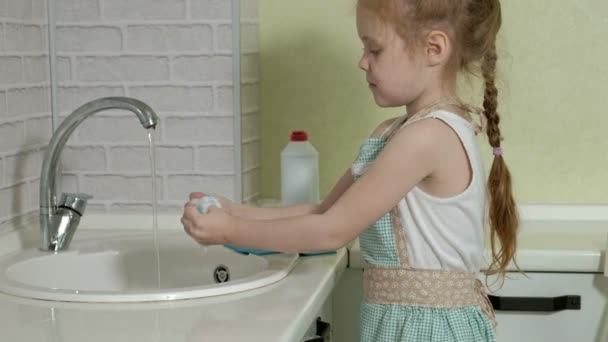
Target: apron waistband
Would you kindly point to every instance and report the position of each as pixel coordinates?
(429, 288)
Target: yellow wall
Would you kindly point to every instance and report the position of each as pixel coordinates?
(553, 97)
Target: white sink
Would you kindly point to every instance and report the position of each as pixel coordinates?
(123, 269)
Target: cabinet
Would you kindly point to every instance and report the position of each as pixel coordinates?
(586, 324)
(320, 329)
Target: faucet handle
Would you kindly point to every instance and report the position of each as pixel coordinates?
(75, 201)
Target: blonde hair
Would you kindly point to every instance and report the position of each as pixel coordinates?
(472, 26)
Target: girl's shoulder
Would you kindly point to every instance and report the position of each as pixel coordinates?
(383, 127)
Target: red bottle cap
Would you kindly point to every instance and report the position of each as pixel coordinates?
(299, 136)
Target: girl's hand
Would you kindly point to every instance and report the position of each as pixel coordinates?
(213, 228)
(227, 204)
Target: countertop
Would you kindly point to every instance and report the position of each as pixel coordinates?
(553, 238)
(279, 312)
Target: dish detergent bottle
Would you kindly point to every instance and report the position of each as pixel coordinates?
(299, 171)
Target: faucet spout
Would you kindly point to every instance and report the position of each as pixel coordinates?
(58, 221)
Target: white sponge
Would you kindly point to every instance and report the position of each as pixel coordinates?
(205, 202)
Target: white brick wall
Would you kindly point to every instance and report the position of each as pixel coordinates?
(249, 9)
(251, 183)
(27, 101)
(170, 38)
(223, 36)
(2, 102)
(250, 118)
(144, 9)
(214, 159)
(70, 96)
(19, 9)
(22, 166)
(77, 10)
(122, 69)
(224, 99)
(84, 158)
(14, 200)
(251, 152)
(12, 137)
(24, 37)
(202, 68)
(137, 158)
(211, 9)
(201, 130)
(175, 55)
(89, 39)
(104, 129)
(24, 106)
(178, 185)
(35, 69)
(39, 10)
(38, 130)
(120, 187)
(12, 70)
(176, 98)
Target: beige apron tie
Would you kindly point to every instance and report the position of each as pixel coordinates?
(469, 114)
(484, 302)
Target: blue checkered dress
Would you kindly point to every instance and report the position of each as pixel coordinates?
(405, 323)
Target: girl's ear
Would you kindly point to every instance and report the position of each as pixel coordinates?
(437, 48)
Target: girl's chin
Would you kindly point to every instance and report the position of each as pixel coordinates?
(384, 103)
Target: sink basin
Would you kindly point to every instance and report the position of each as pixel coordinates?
(123, 269)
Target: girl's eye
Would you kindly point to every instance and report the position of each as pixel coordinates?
(373, 52)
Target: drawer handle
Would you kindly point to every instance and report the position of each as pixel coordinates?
(323, 331)
(541, 304)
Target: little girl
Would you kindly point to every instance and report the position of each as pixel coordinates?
(416, 194)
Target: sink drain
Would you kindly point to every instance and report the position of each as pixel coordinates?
(221, 274)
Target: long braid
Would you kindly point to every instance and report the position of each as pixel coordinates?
(504, 221)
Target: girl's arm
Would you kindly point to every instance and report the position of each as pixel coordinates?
(412, 155)
(249, 212)
(267, 213)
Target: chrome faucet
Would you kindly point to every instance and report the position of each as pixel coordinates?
(59, 220)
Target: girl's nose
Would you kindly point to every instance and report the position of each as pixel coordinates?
(363, 64)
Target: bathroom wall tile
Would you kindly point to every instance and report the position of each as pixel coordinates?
(137, 158)
(22, 166)
(144, 9)
(77, 10)
(202, 68)
(88, 39)
(174, 38)
(211, 9)
(212, 159)
(122, 68)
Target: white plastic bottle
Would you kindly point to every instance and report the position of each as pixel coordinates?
(299, 171)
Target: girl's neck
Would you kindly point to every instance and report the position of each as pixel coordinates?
(449, 102)
(423, 105)
(437, 91)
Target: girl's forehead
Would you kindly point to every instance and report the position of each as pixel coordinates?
(372, 29)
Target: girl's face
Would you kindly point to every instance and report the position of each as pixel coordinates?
(394, 72)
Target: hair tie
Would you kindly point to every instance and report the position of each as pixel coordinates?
(497, 151)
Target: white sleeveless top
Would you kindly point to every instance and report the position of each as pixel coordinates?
(448, 232)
